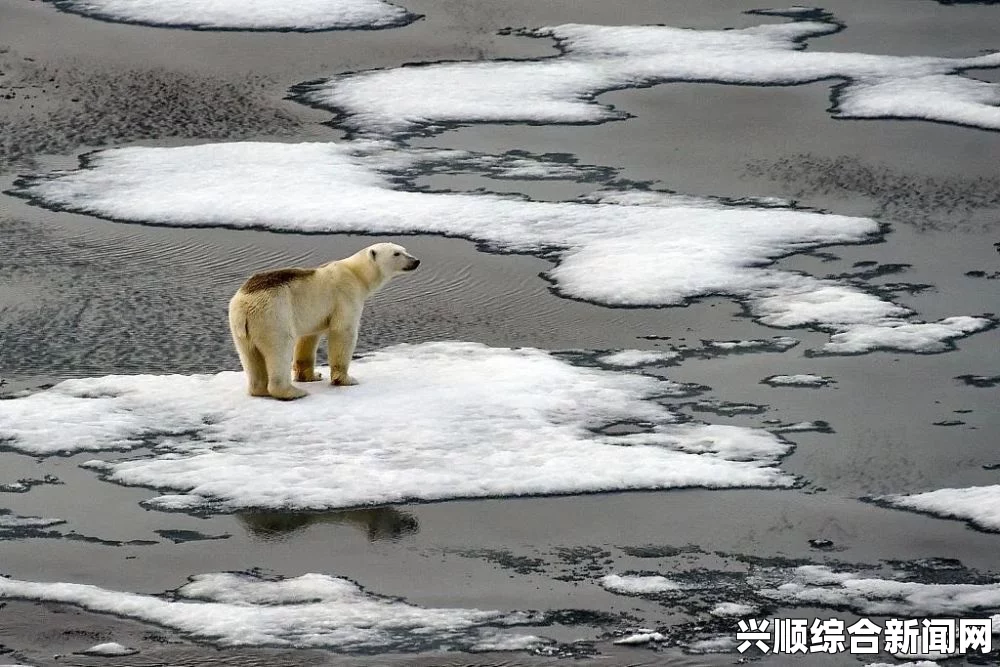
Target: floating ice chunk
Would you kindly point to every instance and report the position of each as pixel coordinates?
(923, 337)
(631, 584)
(776, 344)
(978, 505)
(310, 611)
(429, 422)
(798, 380)
(633, 358)
(297, 15)
(639, 638)
(801, 427)
(10, 521)
(980, 381)
(819, 585)
(508, 642)
(721, 644)
(595, 59)
(733, 609)
(661, 252)
(109, 649)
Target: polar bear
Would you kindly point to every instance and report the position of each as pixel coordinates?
(277, 317)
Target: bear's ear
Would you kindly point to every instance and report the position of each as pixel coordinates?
(372, 251)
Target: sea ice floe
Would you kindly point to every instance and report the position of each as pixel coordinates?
(776, 344)
(640, 638)
(863, 591)
(285, 15)
(428, 422)
(615, 249)
(109, 649)
(13, 522)
(978, 505)
(634, 584)
(905, 336)
(817, 585)
(733, 609)
(798, 380)
(310, 611)
(596, 59)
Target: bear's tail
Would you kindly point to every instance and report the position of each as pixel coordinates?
(239, 325)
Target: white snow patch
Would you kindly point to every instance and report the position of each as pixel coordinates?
(819, 585)
(633, 358)
(109, 649)
(631, 584)
(428, 422)
(979, 505)
(597, 58)
(310, 611)
(662, 251)
(299, 15)
(798, 380)
(733, 609)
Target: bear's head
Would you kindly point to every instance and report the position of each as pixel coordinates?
(392, 259)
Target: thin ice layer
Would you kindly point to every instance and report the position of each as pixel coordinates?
(297, 15)
(979, 505)
(310, 611)
(617, 249)
(595, 59)
(429, 422)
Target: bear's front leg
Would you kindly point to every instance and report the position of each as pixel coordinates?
(341, 342)
(304, 364)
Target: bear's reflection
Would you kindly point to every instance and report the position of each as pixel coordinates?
(379, 523)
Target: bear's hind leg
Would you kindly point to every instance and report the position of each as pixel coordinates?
(278, 356)
(253, 364)
(304, 364)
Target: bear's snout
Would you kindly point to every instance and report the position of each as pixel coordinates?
(414, 263)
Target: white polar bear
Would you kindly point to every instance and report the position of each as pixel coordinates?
(277, 317)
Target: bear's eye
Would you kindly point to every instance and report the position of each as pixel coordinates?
(396, 254)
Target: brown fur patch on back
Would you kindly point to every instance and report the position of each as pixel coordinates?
(271, 279)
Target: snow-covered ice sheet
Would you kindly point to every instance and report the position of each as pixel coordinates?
(595, 59)
(282, 15)
(624, 249)
(978, 505)
(310, 611)
(428, 422)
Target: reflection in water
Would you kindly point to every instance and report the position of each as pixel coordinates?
(379, 523)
